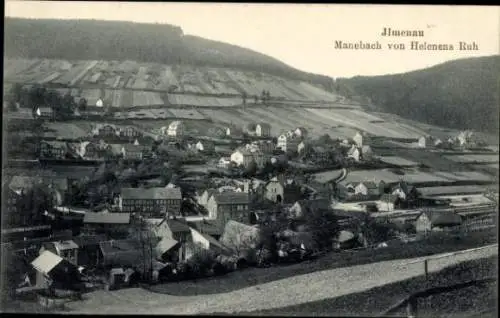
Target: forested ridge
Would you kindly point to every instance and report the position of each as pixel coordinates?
(461, 94)
(155, 43)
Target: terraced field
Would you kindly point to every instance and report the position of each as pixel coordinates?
(147, 76)
(201, 101)
(474, 158)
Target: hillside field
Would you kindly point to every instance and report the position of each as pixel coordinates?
(145, 78)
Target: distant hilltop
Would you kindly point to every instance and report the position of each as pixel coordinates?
(154, 43)
(461, 94)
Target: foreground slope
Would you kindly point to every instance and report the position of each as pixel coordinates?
(457, 94)
(286, 292)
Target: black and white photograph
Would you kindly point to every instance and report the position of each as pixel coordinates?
(252, 159)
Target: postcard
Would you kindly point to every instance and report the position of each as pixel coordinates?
(250, 159)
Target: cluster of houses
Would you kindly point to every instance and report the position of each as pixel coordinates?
(235, 204)
(464, 139)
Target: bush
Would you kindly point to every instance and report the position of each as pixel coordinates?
(202, 262)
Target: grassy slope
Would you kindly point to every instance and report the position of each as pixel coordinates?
(469, 301)
(456, 94)
(255, 276)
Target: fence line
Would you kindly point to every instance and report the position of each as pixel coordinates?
(435, 257)
(411, 301)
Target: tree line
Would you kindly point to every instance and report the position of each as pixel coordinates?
(38, 96)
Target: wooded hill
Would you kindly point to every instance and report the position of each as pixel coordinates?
(461, 94)
(155, 43)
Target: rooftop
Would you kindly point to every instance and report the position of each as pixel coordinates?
(178, 225)
(232, 198)
(151, 193)
(46, 262)
(106, 218)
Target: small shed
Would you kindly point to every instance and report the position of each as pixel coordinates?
(52, 268)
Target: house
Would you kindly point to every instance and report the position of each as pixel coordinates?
(388, 202)
(242, 157)
(51, 267)
(205, 146)
(152, 201)
(358, 139)
(301, 208)
(105, 223)
(224, 163)
(121, 253)
(53, 149)
(207, 242)
(167, 250)
(132, 152)
(354, 153)
(88, 249)
(437, 220)
(423, 141)
(208, 227)
(176, 129)
(99, 103)
(65, 249)
(301, 132)
(263, 130)
(464, 137)
(129, 132)
(205, 196)
(174, 235)
(367, 188)
(405, 191)
(226, 206)
(92, 150)
(281, 190)
(105, 130)
(288, 143)
(46, 113)
(233, 131)
(265, 146)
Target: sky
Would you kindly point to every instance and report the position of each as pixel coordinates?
(303, 35)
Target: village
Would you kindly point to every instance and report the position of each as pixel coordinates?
(122, 206)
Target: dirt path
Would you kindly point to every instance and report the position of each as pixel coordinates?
(291, 291)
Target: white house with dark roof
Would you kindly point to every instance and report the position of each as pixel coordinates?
(176, 129)
(263, 130)
(288, 143)
(242, 157)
